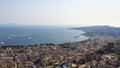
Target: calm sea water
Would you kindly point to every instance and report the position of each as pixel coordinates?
(25, 35)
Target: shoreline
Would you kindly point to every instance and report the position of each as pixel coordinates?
(97, 51)
(42, 44)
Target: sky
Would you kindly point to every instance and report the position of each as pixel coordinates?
(60, 12)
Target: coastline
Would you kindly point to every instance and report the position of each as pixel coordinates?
(97, 51)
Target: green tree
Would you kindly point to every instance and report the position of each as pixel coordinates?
(109, 47)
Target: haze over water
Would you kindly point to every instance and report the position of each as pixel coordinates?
(25, 35)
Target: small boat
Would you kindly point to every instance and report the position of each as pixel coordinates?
(9, 37)
(1, 42)
(29, 37)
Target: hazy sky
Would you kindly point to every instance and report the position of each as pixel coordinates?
(60, 12)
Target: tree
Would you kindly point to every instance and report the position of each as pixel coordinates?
(109, 47)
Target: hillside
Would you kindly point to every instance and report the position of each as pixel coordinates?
(100, 30)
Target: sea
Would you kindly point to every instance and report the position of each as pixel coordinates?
(30, 35)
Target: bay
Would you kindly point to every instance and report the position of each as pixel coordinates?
(30, 35)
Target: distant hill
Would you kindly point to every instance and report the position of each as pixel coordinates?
(100, 30)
